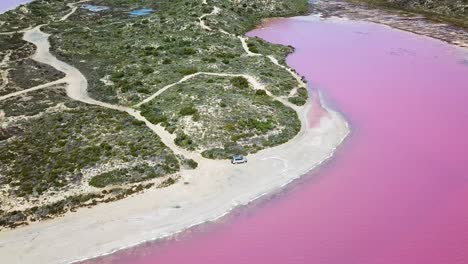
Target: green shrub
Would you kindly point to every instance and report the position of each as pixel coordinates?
(109, 178)
(188, 110)
(154, 115)
(302, 92)
(189, 164)
(187, 51)
(151, 51)
(188, 70)
(260, 92)
(239, 82)
(252, 47)
(143, 90)
(183, 140)
(297, 100)
(196, 117)
(117, 75)
(147, 70)
(227, 152)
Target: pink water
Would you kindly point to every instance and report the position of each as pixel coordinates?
(6, 5)
(396, 192)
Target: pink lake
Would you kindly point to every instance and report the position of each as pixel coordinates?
(6, 5)
(395, 193)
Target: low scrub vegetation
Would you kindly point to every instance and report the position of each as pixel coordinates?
(58, 145)
(225, 119)
(52, 151)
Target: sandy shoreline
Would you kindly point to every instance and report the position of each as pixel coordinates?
(213, 190)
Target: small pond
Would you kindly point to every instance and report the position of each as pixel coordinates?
(94, 8)
(141, 12)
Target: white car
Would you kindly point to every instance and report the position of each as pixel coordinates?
(238, 159)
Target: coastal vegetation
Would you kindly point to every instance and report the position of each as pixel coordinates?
(81, 139)
(58, 154)
(229, 118)
(139, 55)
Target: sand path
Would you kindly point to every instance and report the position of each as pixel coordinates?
(251, 79)
(201, 19)
(73, 9)
(77, 84)
(14, 32)
(243, 40)
(39, 87)
(77, 88)
(4, 73)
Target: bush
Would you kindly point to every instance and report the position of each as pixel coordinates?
(108, 178)
(154, 115)
(187, 51)
(147, 70)
(189, 164)
(137, 122)
(260, 92)
(143, 90)
(297, 100)
(183, 140)
(151, 51)
(196, 117)
(188, 70)
(227, 152)
(240, 82)
(117, 75)
(302, 92)
(188, 110)
(252, 47)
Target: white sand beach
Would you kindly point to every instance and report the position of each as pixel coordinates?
(213, 190)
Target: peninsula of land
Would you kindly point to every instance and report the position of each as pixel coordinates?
(144, 100)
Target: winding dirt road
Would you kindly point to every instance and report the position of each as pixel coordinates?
(77, 83)
(212, 190)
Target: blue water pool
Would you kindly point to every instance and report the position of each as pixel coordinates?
(94, 8)
(141, 12)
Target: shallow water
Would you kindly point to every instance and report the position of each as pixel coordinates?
(141, 12)
(394, 193)
(94, 8)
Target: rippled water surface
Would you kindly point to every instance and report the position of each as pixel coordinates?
(395, 193)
